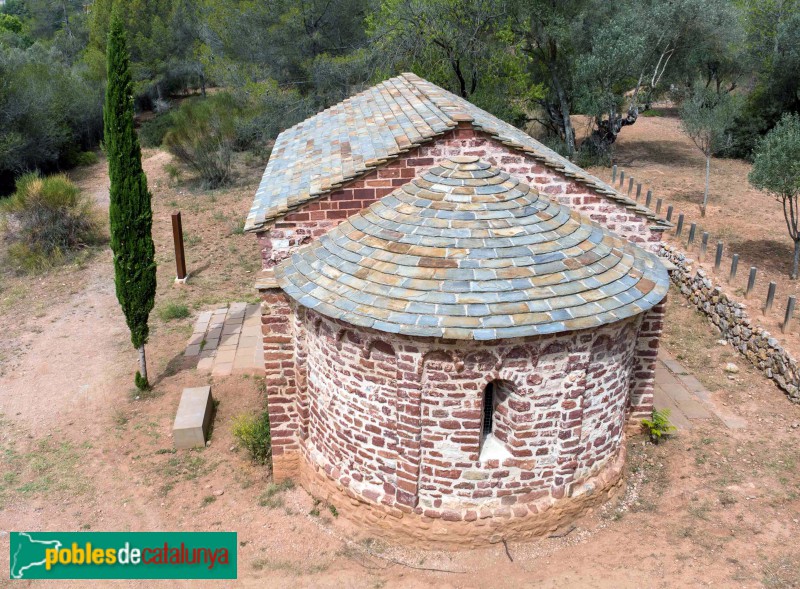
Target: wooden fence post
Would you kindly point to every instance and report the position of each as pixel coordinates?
(177, 237)
(734, 267)
(789, 312)
(751, 281)
(770, 297)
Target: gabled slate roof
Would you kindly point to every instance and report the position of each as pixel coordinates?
(466, 251)
(355, 136)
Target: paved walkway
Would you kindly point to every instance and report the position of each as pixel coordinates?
(228, 341)
(685, 397)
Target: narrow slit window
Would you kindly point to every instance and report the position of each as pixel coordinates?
(488, 409)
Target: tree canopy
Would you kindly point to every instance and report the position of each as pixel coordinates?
(776, 169)
(535, 63)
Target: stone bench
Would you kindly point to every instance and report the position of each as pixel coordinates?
(193, 418)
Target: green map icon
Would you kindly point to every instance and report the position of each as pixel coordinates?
(28, 553)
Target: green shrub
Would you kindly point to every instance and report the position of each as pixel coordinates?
(588, 156)
(555, 143)
(174, 173)
(267, 109)
(47, 220)
(87, 158)
(152, 132)
(173, 311)
(73, 157)
(203, 136)
(252, 434)
(658, 426)
(9, 22)
(47, 109)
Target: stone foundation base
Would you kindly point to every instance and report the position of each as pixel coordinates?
(520, 522)
(286, 466)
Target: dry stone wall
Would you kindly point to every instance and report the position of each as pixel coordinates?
(731, 318)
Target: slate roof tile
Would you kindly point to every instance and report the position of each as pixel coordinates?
(351, 138)
(471, 284)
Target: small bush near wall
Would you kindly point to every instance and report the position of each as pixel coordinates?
(252, 433)
(46, 221)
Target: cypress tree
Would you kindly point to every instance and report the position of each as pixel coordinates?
(130, 214)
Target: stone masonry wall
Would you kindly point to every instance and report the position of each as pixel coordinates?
(731, 318)
(644, 362)
(319, 216)
(285, 397)
(397, 419)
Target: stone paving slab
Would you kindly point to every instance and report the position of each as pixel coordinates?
(228, 341)
(686, 398)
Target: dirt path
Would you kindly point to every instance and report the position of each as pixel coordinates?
(72, 367)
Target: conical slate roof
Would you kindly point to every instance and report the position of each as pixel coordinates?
(466, 251)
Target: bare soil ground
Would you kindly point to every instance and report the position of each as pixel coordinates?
(80, 450)
(749, 222)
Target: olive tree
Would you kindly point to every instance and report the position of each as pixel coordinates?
(706, 117)
(776, 169)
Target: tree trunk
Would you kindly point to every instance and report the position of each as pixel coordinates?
(566, 122)
(796, 264)
(143, 364)
(605, 132)
(705, 192)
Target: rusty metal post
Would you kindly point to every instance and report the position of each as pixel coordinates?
(669, 213)
(177, 236)
(679, 229)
